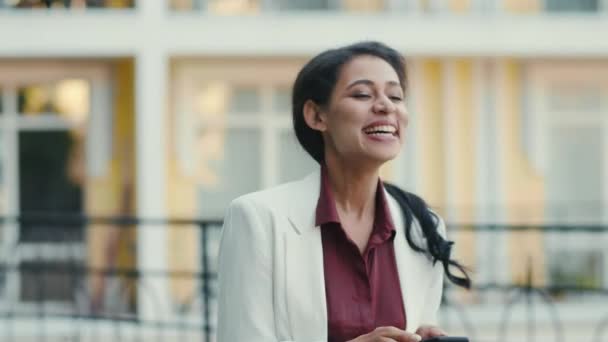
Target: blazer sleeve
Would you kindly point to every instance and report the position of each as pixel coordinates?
(435, 292)
(245, 309)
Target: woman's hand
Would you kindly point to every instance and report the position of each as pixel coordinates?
(428, 331)
(388, 334)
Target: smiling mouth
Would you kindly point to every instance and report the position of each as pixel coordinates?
(384, 130)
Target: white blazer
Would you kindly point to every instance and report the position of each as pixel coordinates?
(271, 279)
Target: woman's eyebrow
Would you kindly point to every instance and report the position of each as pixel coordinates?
(370, 83)
(362, 81)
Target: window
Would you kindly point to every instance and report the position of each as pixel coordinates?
(68, 99)
(303, 5)
(233, 134)
(50, 182)
(567, 134)
(244, 100)
(231, 167)
(581, 98)
(293, 160)
(282, 101)
(572, 6)
(44, 162)
(577, 268)
(244, 142)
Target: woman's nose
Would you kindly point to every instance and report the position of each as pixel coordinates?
(384, 105)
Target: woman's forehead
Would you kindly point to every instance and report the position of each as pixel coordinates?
(370, 68)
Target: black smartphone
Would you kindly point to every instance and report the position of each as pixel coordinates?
(447, 339)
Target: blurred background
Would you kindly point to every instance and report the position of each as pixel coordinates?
(128, 126)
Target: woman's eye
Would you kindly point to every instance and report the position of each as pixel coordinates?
(396, 98)
(361, 96)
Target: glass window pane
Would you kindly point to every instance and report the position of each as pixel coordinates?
(51, 176)
(574, 185)
(69, 98)
(282, 101)
(576, 268)
(583, 99)
(572, 6)
(230, 165)
(245, 100)
(294, 162)
(303, 5)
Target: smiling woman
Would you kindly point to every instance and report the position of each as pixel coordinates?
(338, 255)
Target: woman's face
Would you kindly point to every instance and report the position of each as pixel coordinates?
(366, 118)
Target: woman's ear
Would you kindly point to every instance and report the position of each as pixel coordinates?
(314, 117)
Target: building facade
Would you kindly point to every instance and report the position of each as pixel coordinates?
(172, 108)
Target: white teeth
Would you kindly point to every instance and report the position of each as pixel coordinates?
(381, 129)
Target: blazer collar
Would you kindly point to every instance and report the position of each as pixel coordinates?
(303, 206)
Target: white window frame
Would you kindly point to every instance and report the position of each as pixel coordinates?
(540, 76)
(188, 77)
(98, 154)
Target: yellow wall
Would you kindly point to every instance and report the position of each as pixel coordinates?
(522, 6)
(459, 5)
(431, 134)
(523, 187)
(364, 5)
(184, 240)
(181, 202)
(112, 194)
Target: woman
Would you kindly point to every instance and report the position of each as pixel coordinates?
(334, 257)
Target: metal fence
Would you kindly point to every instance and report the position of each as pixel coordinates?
(50, 291)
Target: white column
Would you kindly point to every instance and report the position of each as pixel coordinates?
(485, 184)
(10, 151)
(151, 67)
(150, 102)
(500, 217)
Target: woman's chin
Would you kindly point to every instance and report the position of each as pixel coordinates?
(382, 157)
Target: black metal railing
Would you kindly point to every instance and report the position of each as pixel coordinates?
(51, 290)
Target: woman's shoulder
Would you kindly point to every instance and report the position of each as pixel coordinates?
(282, 196)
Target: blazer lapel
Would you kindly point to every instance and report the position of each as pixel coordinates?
(306, 302)
(412, 277)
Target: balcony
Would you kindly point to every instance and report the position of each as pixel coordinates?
(65, 4)
(430, 7)
(52, 292)
(272, 28)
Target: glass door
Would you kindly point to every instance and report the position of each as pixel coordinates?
(50, 113)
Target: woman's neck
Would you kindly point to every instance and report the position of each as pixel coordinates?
(353, 186)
